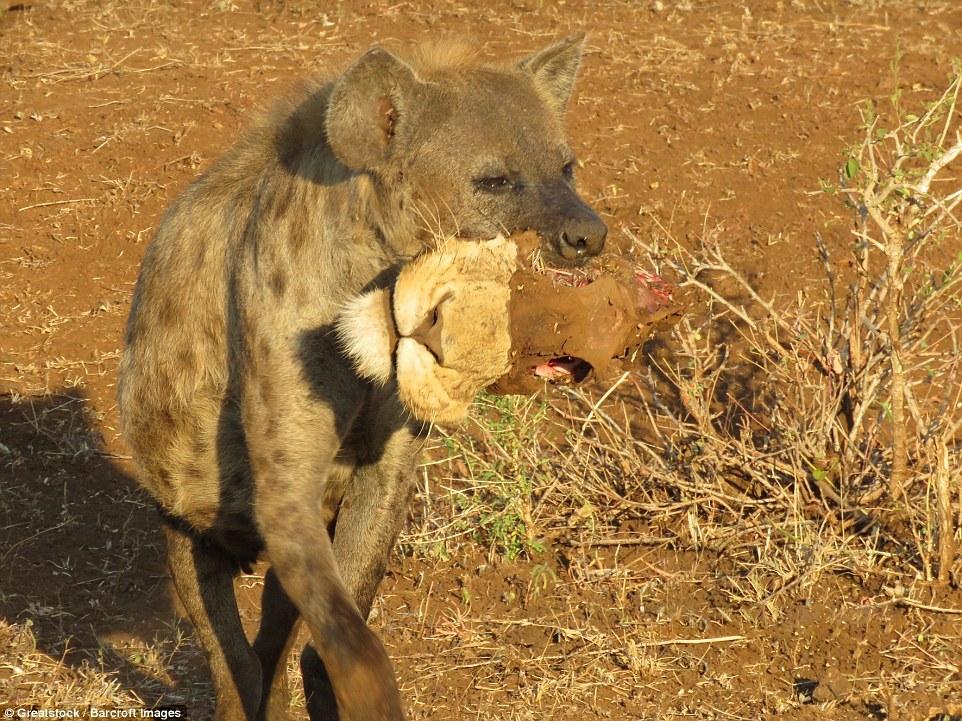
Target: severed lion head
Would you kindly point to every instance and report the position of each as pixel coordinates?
(478, 314)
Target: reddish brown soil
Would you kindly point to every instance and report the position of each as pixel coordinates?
(695, 117)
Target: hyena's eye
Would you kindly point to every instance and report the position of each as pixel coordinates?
(568, 170)
(497, 184)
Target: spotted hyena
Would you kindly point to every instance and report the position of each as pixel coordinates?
(247, 422)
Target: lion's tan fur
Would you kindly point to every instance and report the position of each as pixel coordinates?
(466, 286)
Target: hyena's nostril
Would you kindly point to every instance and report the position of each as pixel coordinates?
(578, 245)
(582, 238)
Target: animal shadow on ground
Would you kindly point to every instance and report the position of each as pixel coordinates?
(81, 555)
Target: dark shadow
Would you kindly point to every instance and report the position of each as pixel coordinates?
(82, 557)
(334, 383)
(803, 690)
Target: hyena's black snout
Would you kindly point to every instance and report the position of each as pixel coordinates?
(582, 236)
(574, 231)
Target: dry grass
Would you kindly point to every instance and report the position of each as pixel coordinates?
(32, 676)
(766, 437)
(761, 417)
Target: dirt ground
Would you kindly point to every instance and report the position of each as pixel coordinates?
(688, 115)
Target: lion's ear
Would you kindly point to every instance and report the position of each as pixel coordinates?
(365, 329)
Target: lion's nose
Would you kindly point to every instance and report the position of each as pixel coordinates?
(428, 334)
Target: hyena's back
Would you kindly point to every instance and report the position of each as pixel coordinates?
(275, 204)
(173, 389)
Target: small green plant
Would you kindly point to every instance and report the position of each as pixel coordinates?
(494, 496)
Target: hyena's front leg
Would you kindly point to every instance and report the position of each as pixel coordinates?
(293, 435)
(371, 515)
(374, 508)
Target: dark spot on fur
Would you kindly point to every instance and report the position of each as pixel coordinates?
(280, 458)
(200, 256)
(213, 336)
(167, 312)
(302, 298)
(278, 283)
(259, 464)
(265, 392)
(185, 358)
(266, 388)
(298, 241)
(162, 379)
(264, 349)
(280, 202)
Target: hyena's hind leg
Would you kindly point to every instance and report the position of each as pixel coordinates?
(278, 629)
(203, 576)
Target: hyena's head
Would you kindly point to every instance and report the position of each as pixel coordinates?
(476, 149)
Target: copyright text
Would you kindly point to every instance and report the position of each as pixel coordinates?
(93, 712)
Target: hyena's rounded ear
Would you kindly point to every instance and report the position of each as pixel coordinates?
(367, 105)
(554, 69)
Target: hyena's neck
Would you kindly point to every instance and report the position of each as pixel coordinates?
(391, 216)
(314, 242)
(365, 205)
